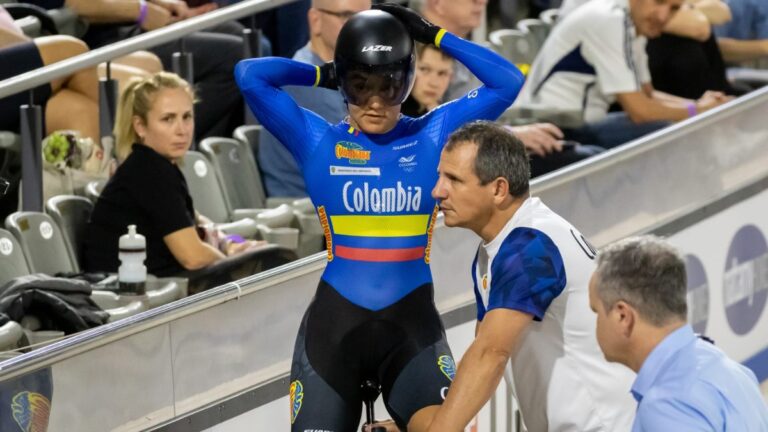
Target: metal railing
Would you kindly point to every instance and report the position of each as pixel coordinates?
(150, 39)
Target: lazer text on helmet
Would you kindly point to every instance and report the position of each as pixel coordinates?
(386, 48)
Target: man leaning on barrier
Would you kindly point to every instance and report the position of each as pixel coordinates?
(683, 383)
(531, 274)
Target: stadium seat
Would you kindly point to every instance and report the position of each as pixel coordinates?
(275, 227)
(71, 213)
(43, 243)
(211, 200)
(538, 31)
(249, 136)
(516, 115)
(514, 45)
(10, 141)
(13, 264)
(12, 261)
(36, 21)
(549, 16)
(11, 335)
(207, 194)
(93, 189)
(238, 172)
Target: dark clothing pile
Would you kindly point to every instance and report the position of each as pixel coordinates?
(59, 303)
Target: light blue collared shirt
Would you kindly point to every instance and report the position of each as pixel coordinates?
(687, 384)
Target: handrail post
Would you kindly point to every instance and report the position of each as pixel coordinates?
(251, 48)
(108, 97)
(183, 63)
(31, 157)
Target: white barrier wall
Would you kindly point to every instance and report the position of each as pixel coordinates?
(727, 263)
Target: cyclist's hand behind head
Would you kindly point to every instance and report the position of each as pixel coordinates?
(420, 29)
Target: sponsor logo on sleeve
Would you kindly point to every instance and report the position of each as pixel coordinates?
(430, 229)
(326, 231)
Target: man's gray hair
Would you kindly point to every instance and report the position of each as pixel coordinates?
(646, 272)
(499, 154)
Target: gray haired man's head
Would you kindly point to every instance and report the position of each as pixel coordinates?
(499, 154)
(646, 272)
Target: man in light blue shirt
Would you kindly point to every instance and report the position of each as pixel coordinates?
(326, 17)
(745, 36)
(683, 383)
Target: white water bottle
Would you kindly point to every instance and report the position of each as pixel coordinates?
(132, 273)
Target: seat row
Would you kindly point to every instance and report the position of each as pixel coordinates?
(48, 243)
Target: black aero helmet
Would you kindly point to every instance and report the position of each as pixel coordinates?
(374, 56)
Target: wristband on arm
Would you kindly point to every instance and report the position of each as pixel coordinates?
(692, 111)
(143, 9)
(234, 238)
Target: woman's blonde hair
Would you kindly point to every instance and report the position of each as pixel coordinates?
(136, 100)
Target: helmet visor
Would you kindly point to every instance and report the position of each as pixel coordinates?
(392, 86)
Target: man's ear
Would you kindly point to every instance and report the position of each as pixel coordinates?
(500, 189)
(625, 316)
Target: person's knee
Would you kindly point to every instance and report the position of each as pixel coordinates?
(145, 60)
(59, 47)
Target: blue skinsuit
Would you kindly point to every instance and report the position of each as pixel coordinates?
(378, 206)
(373, 315)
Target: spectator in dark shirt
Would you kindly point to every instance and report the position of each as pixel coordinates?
(154, 129)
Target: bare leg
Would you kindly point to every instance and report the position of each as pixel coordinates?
(122, 73)
(56, 48)
(144, 60)
(68, 109)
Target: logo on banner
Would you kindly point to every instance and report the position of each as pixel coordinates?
(31, 411)
(745, 281)
(698, 294)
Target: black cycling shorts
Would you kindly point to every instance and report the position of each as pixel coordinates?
(339, 345)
